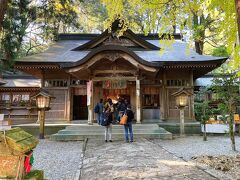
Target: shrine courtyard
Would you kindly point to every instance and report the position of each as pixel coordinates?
(142, 159)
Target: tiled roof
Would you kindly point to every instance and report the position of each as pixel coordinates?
(22, 83)
(61, 52)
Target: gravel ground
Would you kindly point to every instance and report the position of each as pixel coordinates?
(191, 146)
(194, 146)
(59, 160)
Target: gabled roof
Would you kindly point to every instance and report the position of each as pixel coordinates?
(146, 51)
(182, 91)
(129, 39)
(22, 82)
(177, 53)
(18, 79)
(43, 92)
(108, 48)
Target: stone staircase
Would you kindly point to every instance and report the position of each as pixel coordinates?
(81, 131)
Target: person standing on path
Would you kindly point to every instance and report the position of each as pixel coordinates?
(99, 110)
(121, 108)
(128, 126)
(109, 118)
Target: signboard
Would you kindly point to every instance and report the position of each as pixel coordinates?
(115, 84)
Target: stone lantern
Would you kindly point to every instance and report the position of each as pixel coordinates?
(43, 99)
(182, 97)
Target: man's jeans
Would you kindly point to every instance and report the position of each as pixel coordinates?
(108, 132)
(127, 127)
(99, 118)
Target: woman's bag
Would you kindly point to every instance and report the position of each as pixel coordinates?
(123, 120)
(104, 120)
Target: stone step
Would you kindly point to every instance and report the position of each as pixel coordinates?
(65, 131)
(96, 126)
(115, 136)
(71, 133)
(100, 129)
(151, 121)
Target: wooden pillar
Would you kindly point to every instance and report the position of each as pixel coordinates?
(69, 99)
(138, 101)
(162, 102)
(90, 101)
(163, 105)
(191, 103)
(43, 79)
(68, 104)
(39, 112)
(42, 122)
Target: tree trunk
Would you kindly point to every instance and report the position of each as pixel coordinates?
(199, 47)
(232, 135)
(204, 133)
(204, 125)
(237, 5)
(197, 21)
(3, 8)
(231, 131)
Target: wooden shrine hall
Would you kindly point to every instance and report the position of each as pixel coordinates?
(80, 69)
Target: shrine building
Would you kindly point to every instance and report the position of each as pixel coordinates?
(80, 69)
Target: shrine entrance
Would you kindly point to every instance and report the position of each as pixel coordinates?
(114, 89)
(79, 103)
(80, 110)
(113, 74)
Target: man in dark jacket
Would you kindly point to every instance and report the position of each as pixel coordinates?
(121, 109)
(128, 126)
(99, 112)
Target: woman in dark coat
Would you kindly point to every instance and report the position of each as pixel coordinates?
(108, 115)
(128, 126)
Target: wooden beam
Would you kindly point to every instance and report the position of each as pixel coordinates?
(108, 56)
(43, 78)
(128, 78)
(112, 72)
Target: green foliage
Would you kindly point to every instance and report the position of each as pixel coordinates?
(34, 174)
(28, 25)
(164, 16)
(58, 16)
(220, 51)
(223, 110)
(18, 16)
(228, 89)
(227, 26)
(92, 15)
(208, 20)
(201, 105)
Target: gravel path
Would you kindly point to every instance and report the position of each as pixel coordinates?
(190, 146)
(59, 160)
